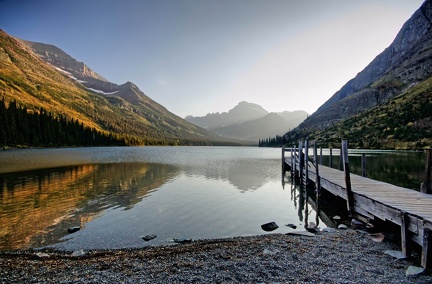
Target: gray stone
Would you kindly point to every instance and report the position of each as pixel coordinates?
(414, 271)
(329, 230)
(269, 226)
(291, 226)
(42, 255)
(149, 237)
(342, 227)
(395, 254)
(78, 253)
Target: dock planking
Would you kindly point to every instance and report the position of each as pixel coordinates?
(372, 199)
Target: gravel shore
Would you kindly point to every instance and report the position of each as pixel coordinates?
(344, 256)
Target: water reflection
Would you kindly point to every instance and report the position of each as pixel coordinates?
(118, 195)
(37, 208)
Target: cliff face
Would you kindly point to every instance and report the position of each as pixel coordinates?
(406, 62)
(57, 57)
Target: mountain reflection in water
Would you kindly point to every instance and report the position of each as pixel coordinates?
(38, 207)
(117, 195)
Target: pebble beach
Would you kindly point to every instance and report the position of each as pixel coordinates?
(344, 256)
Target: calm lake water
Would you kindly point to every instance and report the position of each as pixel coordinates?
(119, 194)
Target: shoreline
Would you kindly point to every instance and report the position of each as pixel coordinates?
(344, 256)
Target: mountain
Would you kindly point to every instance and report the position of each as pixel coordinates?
(242, 112)
(38, 75)
(388, 104)
(249, 122)
(405, 63)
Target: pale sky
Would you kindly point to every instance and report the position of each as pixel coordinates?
(199, 56)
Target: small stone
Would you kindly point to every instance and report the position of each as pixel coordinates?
(329, 230)
(42, 255)
(74, 229)
(342, 227)
(269, 226)
(395, 254)
(149, 237)
(414, 271)
(270, 252)
(291, 226)
(78, 253)
(182, 240)
(377, 237)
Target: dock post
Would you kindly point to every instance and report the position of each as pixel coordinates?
(349, 193)
(317, 182)
(363, 162)
(306, 162)
(331, 158)
(405, 234)
(283, 162)
(426, 262)
(294, 168)
(426, 186)
(300, 161)
(321, 158)
(341, 163)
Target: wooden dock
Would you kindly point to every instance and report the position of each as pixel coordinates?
(368, 199)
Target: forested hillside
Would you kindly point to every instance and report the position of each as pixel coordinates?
(33, 84)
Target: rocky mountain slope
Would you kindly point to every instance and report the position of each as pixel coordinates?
(249, 122)
(388, 104)
(38, 76)
(405, 63)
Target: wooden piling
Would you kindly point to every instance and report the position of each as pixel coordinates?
(317, 182)
(363, 162)
(301, 162)
(321, 156)
(331, 158)
(283, 162)
(426, 186)
(341, 163)
(306, 163)
(350, 197)
(405, 234)
(426, 249)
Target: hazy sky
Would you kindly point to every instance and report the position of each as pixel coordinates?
(201, 56)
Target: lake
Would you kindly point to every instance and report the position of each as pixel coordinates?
(117, 195)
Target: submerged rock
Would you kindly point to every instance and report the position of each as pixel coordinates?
(149, 237)
(269, 226)
(291, 226)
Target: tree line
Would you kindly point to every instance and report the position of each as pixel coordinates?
(19, 127)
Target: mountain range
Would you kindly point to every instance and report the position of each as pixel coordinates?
(37, 75)
(387, 105)
(249, 122)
